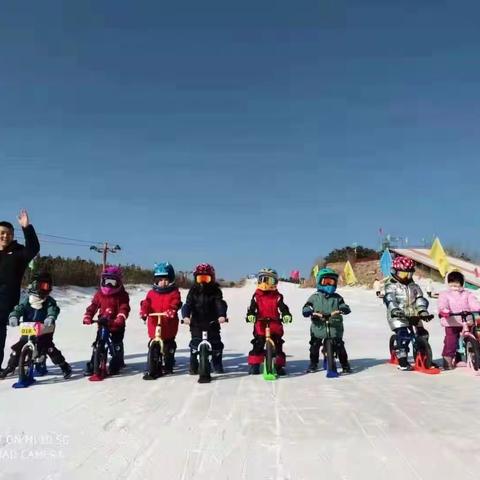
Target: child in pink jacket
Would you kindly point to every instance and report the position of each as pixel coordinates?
(454, 300)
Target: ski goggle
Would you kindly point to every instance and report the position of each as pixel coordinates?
(109, 282)
(267, 280)
(157, 278)
(203, 278)
(328, 281)
(404, 275)
(41, 287)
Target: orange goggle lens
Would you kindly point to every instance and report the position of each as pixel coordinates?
(44, 286)
(203, 278)
(328, 281)
(267, 280)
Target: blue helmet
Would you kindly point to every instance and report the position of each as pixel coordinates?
(164, 269)
(327, 280)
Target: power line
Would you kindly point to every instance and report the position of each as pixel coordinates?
(68, 238)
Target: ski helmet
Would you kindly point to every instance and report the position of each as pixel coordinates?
(267, 279)
(162, 270)
(202, 271)
(111, 280)
(403, 269)
(327, 280)
(41, 284)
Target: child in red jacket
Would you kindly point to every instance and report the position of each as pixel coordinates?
(164, 298)
(267, 301)
(112, 302)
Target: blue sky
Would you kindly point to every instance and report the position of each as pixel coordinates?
(243, 134)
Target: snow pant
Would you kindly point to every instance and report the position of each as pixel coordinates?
(215, 341)
(338, 344)
(45, 346)
(404, 337)
(3, 333)
(257, 353)
(450, 342)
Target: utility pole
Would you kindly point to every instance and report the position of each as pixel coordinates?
(104, 250)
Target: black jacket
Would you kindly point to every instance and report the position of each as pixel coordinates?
(13, 262)
(204, 304)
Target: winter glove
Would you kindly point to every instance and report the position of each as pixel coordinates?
(307, 310)
(87, 320)
(251, 318)
(397, 313)
(444, 314)
(287, 318)
(13, 321)
(424, 314)
(49, 322)
(119, 321)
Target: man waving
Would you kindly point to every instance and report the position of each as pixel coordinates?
(14, 259)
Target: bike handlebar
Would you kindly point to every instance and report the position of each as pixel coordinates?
(415, 318)
(464, 314)
(210, 323)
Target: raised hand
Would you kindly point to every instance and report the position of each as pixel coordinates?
(23, 218)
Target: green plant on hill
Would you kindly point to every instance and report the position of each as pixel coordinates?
(350, 253)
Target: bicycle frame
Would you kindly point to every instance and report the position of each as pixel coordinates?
(420, 360)
(158, 331)
(469, 332)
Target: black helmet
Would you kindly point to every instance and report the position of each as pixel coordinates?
(41, 284)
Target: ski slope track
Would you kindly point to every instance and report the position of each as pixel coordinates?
(377, 423)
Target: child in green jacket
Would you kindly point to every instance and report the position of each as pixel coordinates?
(326, 301)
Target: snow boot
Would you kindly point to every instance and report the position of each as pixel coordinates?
(403, 364)
(117, 362)
(346, 368)
(66, 370)
(254, 369)
(280, 371)
(217, 363)
(193, 364)
(88, 370)
(41, 368)
(448, 363)
(313, 367)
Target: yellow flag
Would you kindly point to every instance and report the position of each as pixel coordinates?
(315, 271)
(439, 257)
(348, 274)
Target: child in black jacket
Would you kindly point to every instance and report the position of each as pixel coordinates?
(205, 310)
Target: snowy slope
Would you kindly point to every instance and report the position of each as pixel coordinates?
(378, 423)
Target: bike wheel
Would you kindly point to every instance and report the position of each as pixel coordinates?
(269, 358)
(203, 362)
(422, 348)
(472, 350)
(25, 365)
(330, 352)
(100, 360)
(154, 359)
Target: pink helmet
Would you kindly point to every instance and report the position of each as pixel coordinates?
(204, 269)
(111, 280)
(403, 264)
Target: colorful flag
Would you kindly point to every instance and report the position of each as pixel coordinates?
(348, 274)
(386, 263)
(437, 253)
(315, 270)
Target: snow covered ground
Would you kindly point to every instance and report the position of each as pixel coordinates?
(378, 423)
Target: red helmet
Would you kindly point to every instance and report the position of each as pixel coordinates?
(204, 269)
(403, 264)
